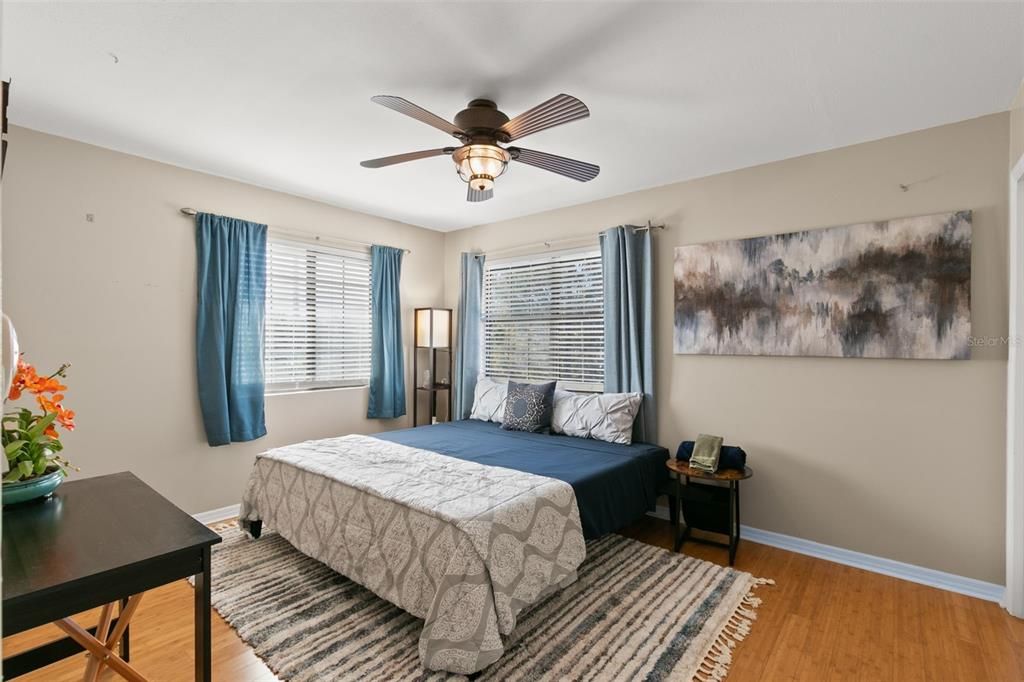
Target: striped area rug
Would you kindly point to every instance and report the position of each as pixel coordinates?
(637, 612)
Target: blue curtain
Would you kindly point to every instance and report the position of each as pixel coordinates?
(232, 277)
(467, 344)
(387, 366)
(628, 321)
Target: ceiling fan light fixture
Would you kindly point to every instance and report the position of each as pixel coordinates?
(481, 128)
(480, 164)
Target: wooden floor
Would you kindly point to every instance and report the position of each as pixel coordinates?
(821, 621)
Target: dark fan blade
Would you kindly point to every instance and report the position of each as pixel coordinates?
(556, 111)
(475, 195)
(404, 106)
(570, 168)
(402, 158)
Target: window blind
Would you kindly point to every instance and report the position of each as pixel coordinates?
(544, 320)
(317, 317)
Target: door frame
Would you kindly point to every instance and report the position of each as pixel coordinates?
(1013, 598)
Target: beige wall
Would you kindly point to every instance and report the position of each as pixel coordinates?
(902, 459)
(1017, 127)
(116, 298)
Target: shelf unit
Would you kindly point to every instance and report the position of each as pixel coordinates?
(432, 352)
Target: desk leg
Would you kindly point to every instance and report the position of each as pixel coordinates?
(203, 639)
(125, 654)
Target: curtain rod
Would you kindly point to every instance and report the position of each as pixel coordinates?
(187, 211)
(549, 243)
(645, 228)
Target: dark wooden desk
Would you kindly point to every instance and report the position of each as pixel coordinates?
(95, 542)
(707, 507)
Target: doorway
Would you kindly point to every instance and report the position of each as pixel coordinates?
(1013, 599)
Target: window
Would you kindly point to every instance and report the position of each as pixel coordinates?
(544, 320)
(318, 317)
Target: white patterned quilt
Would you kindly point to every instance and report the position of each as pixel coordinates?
(464, 546)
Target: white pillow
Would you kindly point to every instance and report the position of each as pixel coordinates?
(489, 400)
(601, 416)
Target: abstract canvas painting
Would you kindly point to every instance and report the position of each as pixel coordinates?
(896, 288)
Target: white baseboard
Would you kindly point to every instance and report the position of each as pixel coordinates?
(868, 562)
(660, 512)
(217, 515)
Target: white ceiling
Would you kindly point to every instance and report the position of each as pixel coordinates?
(279, 94)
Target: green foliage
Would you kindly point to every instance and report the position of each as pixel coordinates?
(29, 450)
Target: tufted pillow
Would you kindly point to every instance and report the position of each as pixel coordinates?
(601, 416)
(489, 400)
(528, 407)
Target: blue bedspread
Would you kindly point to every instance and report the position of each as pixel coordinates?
(614, 484)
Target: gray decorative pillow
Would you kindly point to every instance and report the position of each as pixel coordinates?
(601, 416)
(528, 407)
(489, 400)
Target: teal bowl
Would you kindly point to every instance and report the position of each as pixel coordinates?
(32, 489)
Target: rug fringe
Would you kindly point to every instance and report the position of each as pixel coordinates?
(715, 665)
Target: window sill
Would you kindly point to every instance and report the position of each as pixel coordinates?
(303, 391)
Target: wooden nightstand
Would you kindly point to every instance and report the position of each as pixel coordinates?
(713, 508)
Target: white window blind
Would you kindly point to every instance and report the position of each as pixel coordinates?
(544, 320)
(317, 317)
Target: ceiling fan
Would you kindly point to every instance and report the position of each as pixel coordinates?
(483, 129)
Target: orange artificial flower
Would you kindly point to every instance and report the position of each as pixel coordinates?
(48, 385)
(66, 418)
(26, 379)
(24, 376)
(49, 405)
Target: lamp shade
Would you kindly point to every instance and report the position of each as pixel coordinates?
(480, 164)
(433, 327)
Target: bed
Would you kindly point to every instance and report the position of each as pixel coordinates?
(462, 524)
(614, 484)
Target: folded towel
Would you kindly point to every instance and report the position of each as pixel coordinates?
(705, 453)
(729, 457)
